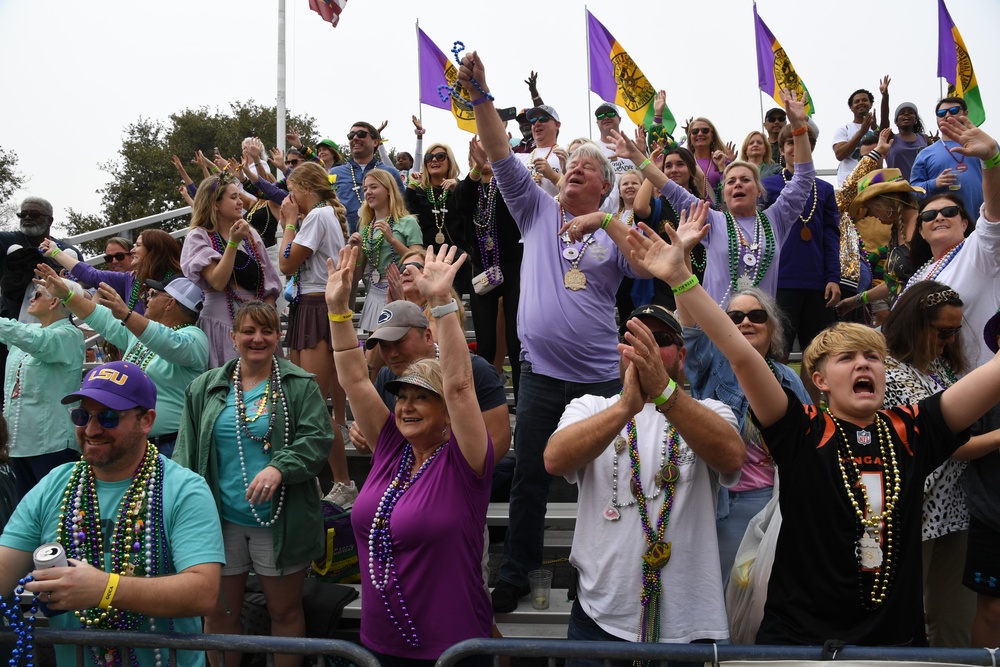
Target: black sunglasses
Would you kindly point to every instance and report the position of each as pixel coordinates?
(540, 119)
(106, 418)
(666, 339)
(772, 119)
(954, 111)
(436, 157)
(945, 334)
(361, 134)
(607, 114)
(757, 316)
(294, 163)
(116, 257)
(929, 214)
(416, 265)
(700, 130)
(29, 215)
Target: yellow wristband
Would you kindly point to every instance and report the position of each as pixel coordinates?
(340, 317)
(686, 285)
(992, 162)
(68, 297)
(55, 251)
(645, 163)
(668, 391)
(292, 227)
(607, 220)
(232, 244)
(109, 592)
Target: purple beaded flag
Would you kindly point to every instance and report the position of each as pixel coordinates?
(436, 73)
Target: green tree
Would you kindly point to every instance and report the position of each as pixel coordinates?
(10, 181)
(80, 223)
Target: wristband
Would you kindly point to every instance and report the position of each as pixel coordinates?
(126, 317)
(109, 592)
(657, 120)
(232, 244)
(475, 172)
(668, 391)
(54, 252)
(419, 133)
(292, 227)
(875, 155)
(340, 317)
(645, 163)
(992, 162)
(476, 103)
(437, 312)
(864, 297)
(607, 220)
(800, 131)
(68, 297)
(686, 285)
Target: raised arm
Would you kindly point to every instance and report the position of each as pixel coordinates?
(435, 282)
(352, 371)
(795, 109)
(667, 263)
(49, 249)
(843, 150)
(883, 88)
(974, 142)
(489, 127)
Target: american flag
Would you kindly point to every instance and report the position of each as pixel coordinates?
(328, 9)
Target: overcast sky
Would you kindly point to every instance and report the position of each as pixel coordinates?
(75, 74)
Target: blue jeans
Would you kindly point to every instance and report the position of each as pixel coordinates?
(583, 628)
(541, 402)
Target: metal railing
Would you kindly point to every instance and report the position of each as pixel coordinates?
(125, 228)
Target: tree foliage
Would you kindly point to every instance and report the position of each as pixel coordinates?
(10, 181)
(80, 223)
(143, 180)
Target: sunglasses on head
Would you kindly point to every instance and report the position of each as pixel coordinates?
(954, 111)
(540, 119)
(106, 418)
(929, 214)
(436, 157)
(757, 316)
(700, 130)
(116, 257)
(945, 334)
(774, 119)
(360, 134)
(30, 215)
(607, 114)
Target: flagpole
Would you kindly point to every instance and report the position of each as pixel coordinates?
(760, 101)
(420, 83)
(586, 31)
(280, 107)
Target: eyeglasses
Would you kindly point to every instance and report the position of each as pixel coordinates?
(666, 339)
(294, 163)
(29, 215)
(607, 114)
(116, 257)
(539, 119)
(416, 265)
(757, 316)
(436, 157)
(105, 418)
(945, 334)
(700, 130)
(151, 294)
(775, 119)
(954, 111)
(929, 214)
(360, 134)
(40, 294)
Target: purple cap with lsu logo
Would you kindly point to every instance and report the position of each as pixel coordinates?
(119, 385)
(395, 320)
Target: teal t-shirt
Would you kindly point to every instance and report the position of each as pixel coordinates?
(232, 489)
(194, 536)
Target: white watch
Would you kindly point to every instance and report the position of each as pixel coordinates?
(438, 312)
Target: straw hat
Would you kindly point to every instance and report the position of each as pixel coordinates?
(880, 182)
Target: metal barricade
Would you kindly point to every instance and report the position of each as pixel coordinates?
(553, 649)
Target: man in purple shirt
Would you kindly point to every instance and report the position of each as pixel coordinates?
(572, 267)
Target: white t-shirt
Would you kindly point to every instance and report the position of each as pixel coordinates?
(529, 160)
(847, 165)
(608, 554)
(320, 232)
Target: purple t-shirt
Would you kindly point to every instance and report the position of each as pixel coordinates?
(565, 334)
(119, 282)
(782, 215)
(437, 539)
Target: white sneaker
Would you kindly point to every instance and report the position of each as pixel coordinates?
(342, 494)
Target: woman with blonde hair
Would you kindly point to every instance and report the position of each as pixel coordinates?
(757, 150)
(703, 140)
(225, 257)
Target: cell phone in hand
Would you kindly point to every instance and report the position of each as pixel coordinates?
(510, 113)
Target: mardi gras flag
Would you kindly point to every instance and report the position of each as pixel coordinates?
(328, 9)
(774, 69)
(955, 66)
(437, 71)
(616, 78)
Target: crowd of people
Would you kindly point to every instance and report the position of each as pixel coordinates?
(647, 292)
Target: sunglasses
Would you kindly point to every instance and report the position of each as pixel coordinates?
(757, 316)
(360, 134)
(106, 418)
(954, 111)
(945, 334)
(40, 294)
(436, 157)
(416, 265)
(29, 215)
(929, 214)
(700, 130)
(116, 257)
(151, 294)
(540, 119)
(666, 339)
(294, 163)
(775, 119)
(607, 114)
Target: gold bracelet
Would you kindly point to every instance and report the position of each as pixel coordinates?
(109, 592)
(340, 317)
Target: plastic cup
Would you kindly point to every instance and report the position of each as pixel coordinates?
(541, 588)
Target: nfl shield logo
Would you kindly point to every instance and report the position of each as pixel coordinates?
(864, 438)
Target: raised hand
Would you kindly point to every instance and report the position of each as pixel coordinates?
(47, 277)
(532, 82)
(240, 230)
(885, 141)
(418, 126)
(883, 86)
(292, 137)
(438, 275)
(381, 127)
(625, 147)
(650, 252)
(868, 122)
(477, 153)
(640, 140)
(660, 103)
(730, 151)
(108, 297)
(795, 108)
(974, 142)
(339, 280)
(395, 281)
(472, 68)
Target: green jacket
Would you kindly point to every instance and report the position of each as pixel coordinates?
(298, 533)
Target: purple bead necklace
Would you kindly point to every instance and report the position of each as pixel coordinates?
(485, 220)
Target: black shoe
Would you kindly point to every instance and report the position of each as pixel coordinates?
(505, 596)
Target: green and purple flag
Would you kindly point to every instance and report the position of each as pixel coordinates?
(955, 66)
(774, 69)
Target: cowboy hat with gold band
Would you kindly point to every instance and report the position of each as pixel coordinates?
(880, 182)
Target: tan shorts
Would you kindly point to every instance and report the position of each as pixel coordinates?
(252, 548)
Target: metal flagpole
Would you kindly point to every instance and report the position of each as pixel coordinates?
(586, 31)
(420, 83)
(280, 109)
(760, 101)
